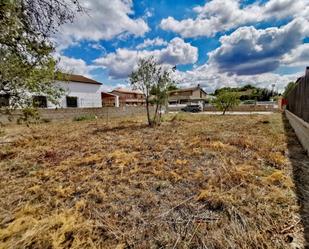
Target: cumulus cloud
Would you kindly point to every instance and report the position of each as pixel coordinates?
(102, 20)
(157, 42)
(210, 79)
(121, 63)
(222, 15)
(298, 56)
(249, 51)
(75, 66)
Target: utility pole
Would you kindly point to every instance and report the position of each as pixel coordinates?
(273, 89)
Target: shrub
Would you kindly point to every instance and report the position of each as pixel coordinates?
(85, 117)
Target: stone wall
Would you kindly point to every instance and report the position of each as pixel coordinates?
(301, 129)
(240, 108)
(71, 113)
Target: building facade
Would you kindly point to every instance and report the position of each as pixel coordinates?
(109, 99)
(129, 97)
(79, 92)
(183, 97)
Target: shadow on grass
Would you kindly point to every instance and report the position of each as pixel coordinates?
(300, 164)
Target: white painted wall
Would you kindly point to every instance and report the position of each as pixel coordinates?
(89, 95)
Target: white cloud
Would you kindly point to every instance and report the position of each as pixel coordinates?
(210, 79)
(121, 63)
(222, 15)
(75, 66)
(103, 20)
(157, 42)
(298, 56)
(249, 51)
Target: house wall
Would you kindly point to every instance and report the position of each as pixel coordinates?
(190, 94)
(89, 95)
(129, 98)
(128, 95)
(198, 94)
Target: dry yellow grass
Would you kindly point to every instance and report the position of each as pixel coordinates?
(195, 182)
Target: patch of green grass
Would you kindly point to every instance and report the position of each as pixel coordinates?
(85, 117)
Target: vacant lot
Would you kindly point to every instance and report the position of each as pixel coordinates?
(195, 182)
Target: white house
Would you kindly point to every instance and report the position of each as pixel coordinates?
(80, 92)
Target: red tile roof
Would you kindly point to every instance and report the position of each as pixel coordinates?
(123, 90)
(81, 79)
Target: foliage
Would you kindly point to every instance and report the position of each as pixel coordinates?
(249, 92)
(154, 81)
(28, 115)
(26, 63)
(172, 87)
(226, 100)
(289, 87)
(234, 89)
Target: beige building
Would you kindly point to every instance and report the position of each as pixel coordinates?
(182, 97)
(129, 97)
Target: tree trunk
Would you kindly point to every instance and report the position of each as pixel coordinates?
(156, 114)
(148, 114)
(160, 115)
(224, 110)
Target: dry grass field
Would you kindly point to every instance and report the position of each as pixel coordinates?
(195, 182)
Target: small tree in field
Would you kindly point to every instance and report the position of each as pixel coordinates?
(154, 81)
(225, 101)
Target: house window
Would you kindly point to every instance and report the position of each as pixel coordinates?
(40, 101)
(71, 101)
(4, 100)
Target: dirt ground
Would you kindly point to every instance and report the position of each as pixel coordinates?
(197, 181)
(300, 165)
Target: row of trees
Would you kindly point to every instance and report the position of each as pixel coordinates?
(249, 92)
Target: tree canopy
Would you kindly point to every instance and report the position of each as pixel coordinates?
(27, 66)
(154, 81)
(225, 101)
(289, 87)
(248, 92)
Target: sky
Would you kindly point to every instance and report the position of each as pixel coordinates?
(212, 43)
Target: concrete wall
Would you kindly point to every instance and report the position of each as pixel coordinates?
(71, 113)
(301, 129)
(89, 95)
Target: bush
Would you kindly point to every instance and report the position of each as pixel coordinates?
(85, 117)
(249, 102)
(225, 101)
(29, 115)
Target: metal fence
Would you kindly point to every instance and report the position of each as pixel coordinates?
(298, 98)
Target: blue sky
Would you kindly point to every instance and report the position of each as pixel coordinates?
(213, 43)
